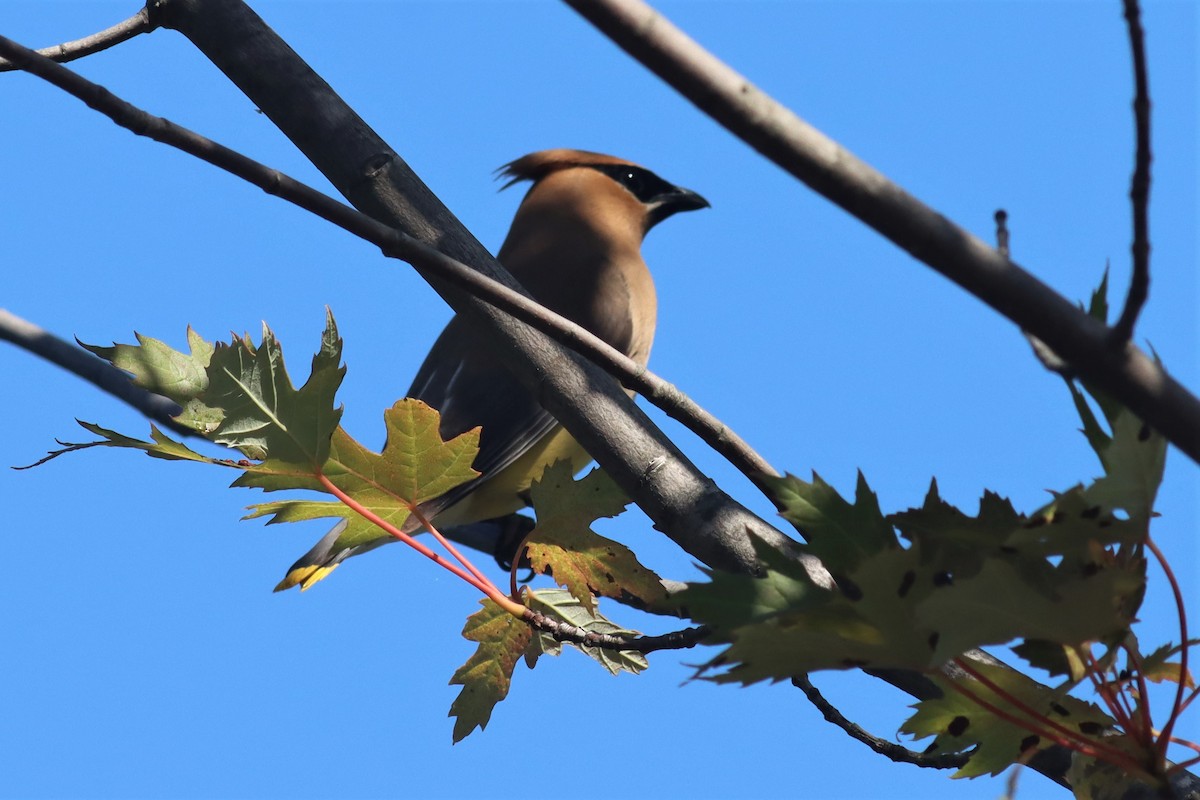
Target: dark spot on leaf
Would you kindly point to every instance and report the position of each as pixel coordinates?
(933, 746)
(933, 640)
(1144, 433)
(1029, 742)
(849, 588)
(1089, 569)
(1060, 710)
(906, 583)
(1091, 728)
(943, 579)
(958, 726)
(1058, 518)
(608, 577)
(1036, 522)
(1091, 513)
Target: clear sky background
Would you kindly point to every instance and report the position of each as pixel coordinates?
(144, 654)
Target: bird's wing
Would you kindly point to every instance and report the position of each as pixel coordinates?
(466, 382)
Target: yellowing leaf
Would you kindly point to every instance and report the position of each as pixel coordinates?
(581, 560)
(414, 466)
(487, 674)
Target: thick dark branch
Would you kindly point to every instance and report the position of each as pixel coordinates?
(885, 748)
(397, 245)
(1125, 372)
(96, 370)
(109, 37)
(684, 503)
(1139, 190)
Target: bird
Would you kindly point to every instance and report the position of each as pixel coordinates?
(575, 246)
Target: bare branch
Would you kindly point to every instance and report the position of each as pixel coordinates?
(885, 748)
(139, 23)
(91, 368)
(1139, 191)
(1124, 372)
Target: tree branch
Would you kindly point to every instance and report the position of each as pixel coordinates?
(1125, 372)
(395, 244)
(885, 748)
(91, 368)
(1139, 191)
(684, 503)
(565, 632)
(139, 23)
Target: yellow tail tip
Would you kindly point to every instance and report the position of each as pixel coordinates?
(304, 577)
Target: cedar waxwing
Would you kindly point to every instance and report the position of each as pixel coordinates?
(575, 245)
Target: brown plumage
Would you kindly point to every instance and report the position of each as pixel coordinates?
(575, 245)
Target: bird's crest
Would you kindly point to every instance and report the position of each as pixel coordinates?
(536, 166)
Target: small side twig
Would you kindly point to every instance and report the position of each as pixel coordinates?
(1002, 232)
(138, 24)
(885, 748)
(564, 632)
(1139, 190)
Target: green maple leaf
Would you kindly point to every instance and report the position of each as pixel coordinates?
(951, 541)
(160, 446)
(786, 621)
(1072, 524)
(237, 395)
(264, 416)
(1133, 457)
(961, 723)
(561, 605)
(487, 674)
(581, 560)
(839, 533)
(178, 376)
(1029, 599)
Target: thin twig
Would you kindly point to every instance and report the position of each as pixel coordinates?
(138, 24)
(1139, 190)
(1001, 218)
(395, 244)
(891, 750)
(828, 168)
(95, 370)
(565, 632)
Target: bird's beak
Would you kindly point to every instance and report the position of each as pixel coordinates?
(676, 200)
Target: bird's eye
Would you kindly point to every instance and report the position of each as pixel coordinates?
(632, 180)
(641, 183)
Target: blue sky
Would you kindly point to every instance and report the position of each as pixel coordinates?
(145, 654)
